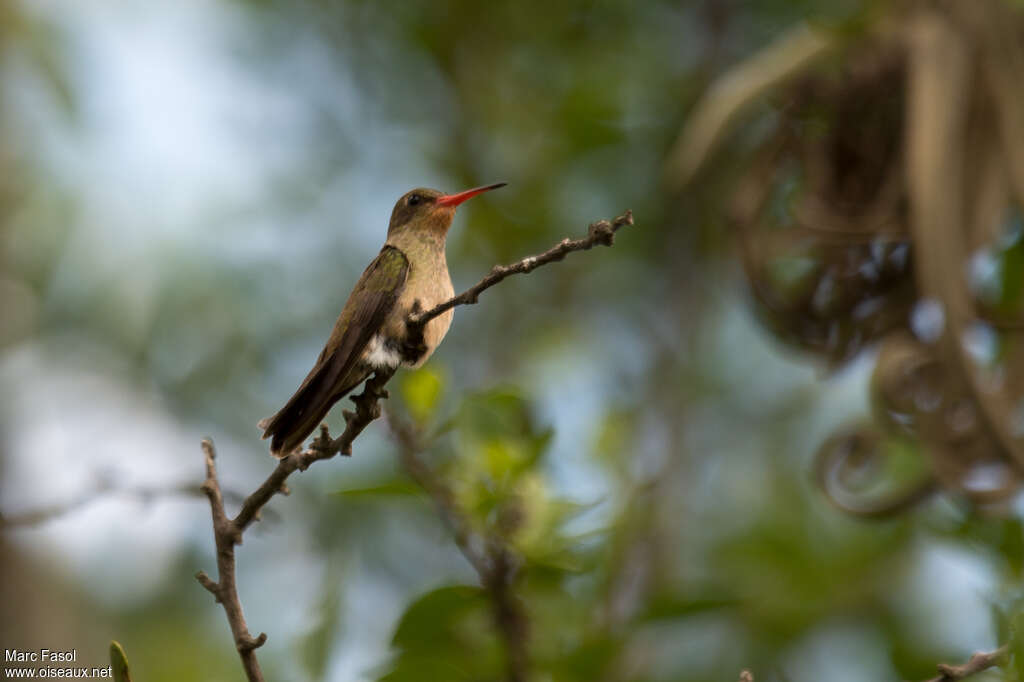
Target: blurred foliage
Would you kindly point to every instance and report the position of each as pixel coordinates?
(614, 423)
(856, 228)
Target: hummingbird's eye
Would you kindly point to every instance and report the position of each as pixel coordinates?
(414, 199)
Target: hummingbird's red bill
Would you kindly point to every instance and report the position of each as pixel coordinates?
(456, 199)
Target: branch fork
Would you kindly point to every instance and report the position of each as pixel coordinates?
(226, 534)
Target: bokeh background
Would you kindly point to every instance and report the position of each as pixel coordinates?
(187, 192)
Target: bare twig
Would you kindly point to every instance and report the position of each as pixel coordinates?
(322, 447)
(978, 662)
(602, 232)
(468, 542)
(491, 557)
(509, 615)
(141, 493)
(494, 561)
(226, 534)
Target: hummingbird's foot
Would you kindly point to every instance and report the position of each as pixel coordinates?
(323, 439)
(413, 346)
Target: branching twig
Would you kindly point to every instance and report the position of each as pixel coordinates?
(978, 662)
(492, 558)
(226, 534)
(496, 562)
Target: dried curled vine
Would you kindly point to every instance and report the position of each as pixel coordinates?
(227, 531)
(880, 185)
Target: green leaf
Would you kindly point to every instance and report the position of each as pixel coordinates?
(672, 607)
(317, 645)
(1001, 621)
(497, 432)
(542, 538)
(421, 391)
(395, 488)
(119, 662)
(448, 633)
(1017, 644)
(434, 618)
(590, 661)
(495, 414)
(611, 440)
(419, 668)
(539, 445)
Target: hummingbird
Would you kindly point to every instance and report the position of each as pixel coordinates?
(409, 274)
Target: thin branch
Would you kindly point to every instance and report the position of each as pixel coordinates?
(322, 447)
(601, 232)
(978, 662)
(142, 493)
(468, 542)
(509, 615)
(491, 557)
(227, 534)
(495, 561)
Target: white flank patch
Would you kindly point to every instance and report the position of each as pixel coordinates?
(379, 356)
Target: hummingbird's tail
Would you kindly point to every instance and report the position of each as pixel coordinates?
(304, 411)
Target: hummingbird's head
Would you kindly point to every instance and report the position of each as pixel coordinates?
(429, 209)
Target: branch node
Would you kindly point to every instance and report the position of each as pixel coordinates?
(602, 233)
(207, 582)
(323, 439)
(208, 450)
(248, 643)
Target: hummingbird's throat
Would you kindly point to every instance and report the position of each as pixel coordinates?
(438, 222)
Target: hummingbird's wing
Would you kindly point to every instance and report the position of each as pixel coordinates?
(338, 369)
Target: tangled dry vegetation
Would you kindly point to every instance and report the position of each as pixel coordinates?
(883, 206)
